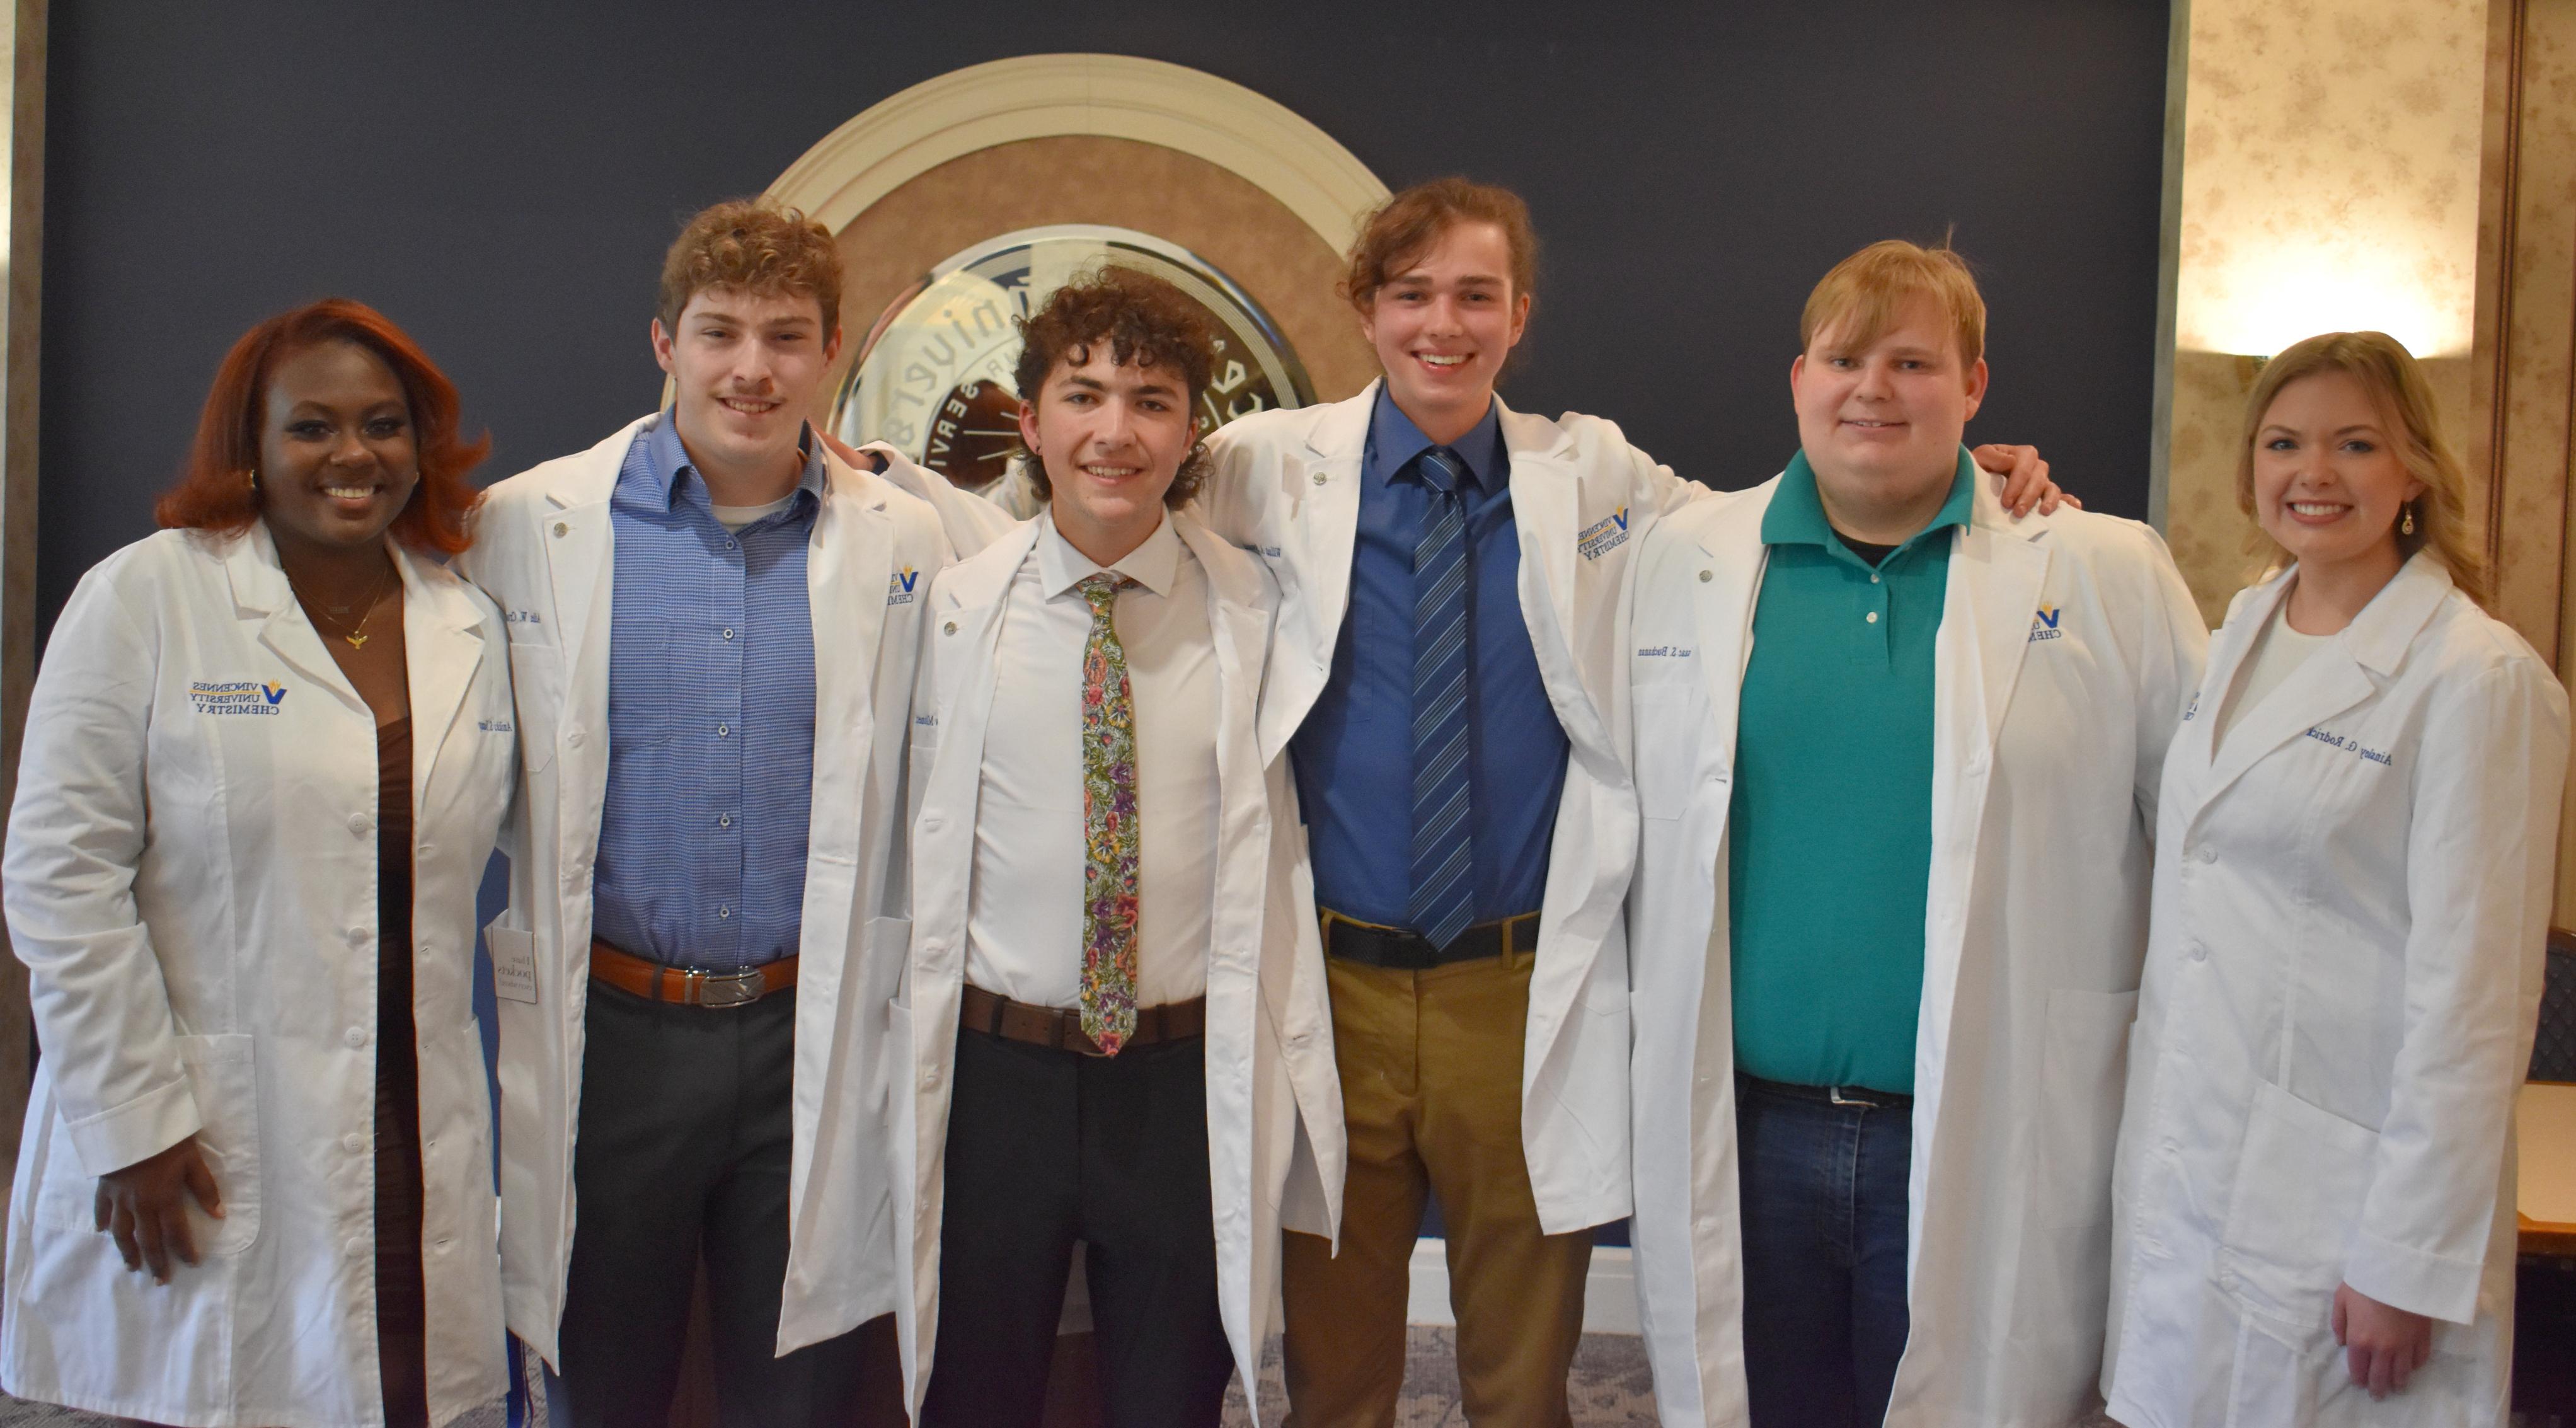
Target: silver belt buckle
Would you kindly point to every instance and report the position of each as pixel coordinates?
(731, 989)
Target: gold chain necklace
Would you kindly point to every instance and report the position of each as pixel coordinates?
(356, 635)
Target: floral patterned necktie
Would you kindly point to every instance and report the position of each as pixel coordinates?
(1110, 827)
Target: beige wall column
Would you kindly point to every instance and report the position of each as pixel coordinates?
(2521, 445)
(23, 74)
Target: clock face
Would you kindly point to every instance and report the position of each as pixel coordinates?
(934, 378)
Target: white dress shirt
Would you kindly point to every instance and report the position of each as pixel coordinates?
(1024, 915)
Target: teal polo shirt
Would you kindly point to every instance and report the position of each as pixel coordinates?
(1829, 841)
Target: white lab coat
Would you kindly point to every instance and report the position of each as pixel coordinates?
(545, 553)
(195, 896)
(2067, 649)
(2351, 905)
(1269, 1030)
(1287, 485)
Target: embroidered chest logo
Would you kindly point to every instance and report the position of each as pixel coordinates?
(1604, 535)
(496, 726)
(899, 586)
(2043, 624)
(235, 696)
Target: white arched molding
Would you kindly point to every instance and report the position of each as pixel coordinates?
(1114, 96)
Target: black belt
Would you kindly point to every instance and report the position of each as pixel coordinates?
(1857, 1097)
(1400, 949)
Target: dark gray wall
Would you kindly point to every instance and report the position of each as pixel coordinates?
(501, 176)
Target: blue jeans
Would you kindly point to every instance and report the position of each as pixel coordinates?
(1824, 1202)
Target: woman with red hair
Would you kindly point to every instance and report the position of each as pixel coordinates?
(267, 757)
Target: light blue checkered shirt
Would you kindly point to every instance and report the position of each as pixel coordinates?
(710, 719)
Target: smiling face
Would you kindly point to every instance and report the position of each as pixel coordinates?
(336, 456)
(1113, 436)
(1442, 325)
(2328, 481)
(1880, 422)
(744, 370)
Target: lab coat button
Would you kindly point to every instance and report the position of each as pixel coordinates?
(357, 936)
(932, 823)
(930, 1079)
(352, 1143)
(2207, 856)
(357, 1246)
(1319, 478)
(1706, 576)
(573, 739)
(562, 529)
(358, 824)
(355, 1036)
(2199, 953)
(948, 629)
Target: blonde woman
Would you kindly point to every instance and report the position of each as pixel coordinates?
(2353, 866)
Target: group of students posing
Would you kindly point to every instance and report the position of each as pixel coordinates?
(1983, 998)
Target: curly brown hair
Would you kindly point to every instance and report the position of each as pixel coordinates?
(1146, 321)
(757, 246)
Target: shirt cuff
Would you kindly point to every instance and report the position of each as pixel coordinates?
(141, 1128)
(2410, 1279)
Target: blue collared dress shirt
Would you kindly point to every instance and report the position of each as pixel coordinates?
(710, 718)
(1354, 753)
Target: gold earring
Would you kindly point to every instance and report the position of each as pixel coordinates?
(2406, 526)
(251, 478)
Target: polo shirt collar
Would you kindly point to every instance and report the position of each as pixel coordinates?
(1156, 564)
(1394, 441)
(667, 470)
(1796, 515)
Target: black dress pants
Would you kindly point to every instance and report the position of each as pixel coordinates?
(1048, 1147)
(683, 1144)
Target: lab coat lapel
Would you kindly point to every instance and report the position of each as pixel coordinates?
(261, 592)
(1725, 604)
(1997, 574)
(1546, 508)
(443, 641)
(1324, 518)
(2333, 680)
(848, 578)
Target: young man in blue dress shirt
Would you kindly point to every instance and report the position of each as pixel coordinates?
(713, 644)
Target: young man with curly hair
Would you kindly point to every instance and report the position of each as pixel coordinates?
(713, 636)
(1105, 945)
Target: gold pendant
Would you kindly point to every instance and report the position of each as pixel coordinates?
(356, 642)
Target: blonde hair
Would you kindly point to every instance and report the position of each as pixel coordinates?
(1869, 289)
(2395, 384)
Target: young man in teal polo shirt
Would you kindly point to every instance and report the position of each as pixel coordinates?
(1896, 760)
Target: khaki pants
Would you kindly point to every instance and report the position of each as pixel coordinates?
(1431, 1090)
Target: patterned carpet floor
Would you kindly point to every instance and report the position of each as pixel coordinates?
(1609, 1388)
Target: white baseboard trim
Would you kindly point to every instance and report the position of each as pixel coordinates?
(1609, 1291)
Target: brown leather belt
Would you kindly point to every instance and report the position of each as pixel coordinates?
(980, 1010)
(1400, 949)
(687, 986)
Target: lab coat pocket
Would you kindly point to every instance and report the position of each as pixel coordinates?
(1668, 746)
(226, 1089)
(2085, 1064)
(2300, 1182)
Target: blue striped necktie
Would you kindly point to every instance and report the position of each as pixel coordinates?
(1444, 881)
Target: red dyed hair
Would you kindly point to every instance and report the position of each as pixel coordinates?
(215, 493)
